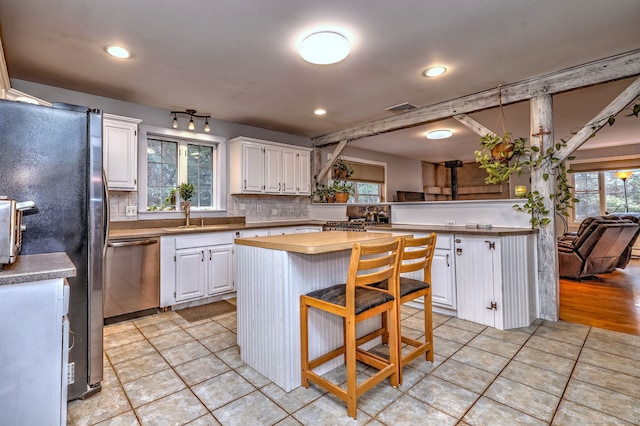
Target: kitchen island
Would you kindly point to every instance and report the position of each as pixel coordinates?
(272, 274)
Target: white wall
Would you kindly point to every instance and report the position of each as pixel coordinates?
(403, 174)
(150, 115)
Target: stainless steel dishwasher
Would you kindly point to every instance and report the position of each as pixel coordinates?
(132, 282)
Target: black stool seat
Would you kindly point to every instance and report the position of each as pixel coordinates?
(365, 298)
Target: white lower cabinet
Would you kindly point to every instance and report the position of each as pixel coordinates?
(443, 286)
(190, 274)
(195, 266)
(495, 279)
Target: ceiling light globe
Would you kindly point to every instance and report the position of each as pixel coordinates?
(439, 134)
(118, 52)
(175, 123)
(324, 48)
(434, 71)
(192, 125)
(207, 128)
(320, 111)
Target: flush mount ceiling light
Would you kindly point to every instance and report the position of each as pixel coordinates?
(324, 48)
(118, 52)
(434, 71)
(191, 113)
(439, 134)
(320, 111)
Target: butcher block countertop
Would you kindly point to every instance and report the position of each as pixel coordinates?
(318, 242)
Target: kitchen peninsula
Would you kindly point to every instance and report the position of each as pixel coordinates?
(272, 274)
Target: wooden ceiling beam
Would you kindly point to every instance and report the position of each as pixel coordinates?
(592, 127)
(473, 125)
(597, 72)
(334, 157)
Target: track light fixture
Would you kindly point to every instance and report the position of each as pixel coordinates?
(191, 113)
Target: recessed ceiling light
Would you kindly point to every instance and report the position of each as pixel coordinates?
(118, 52)
(320, 111)
(439, 134)
(324, 48)
(434, 71)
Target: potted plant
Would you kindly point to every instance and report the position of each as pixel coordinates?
(323, 193)
(501, 147)
(186, 192)
(342, 190)
(342, 170)
(519, 158)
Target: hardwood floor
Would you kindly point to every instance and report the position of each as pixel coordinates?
(609, 301)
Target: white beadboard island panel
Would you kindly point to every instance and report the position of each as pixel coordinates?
(269, 285)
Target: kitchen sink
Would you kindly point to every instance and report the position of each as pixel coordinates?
(195, 228)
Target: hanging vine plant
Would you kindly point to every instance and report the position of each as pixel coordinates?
(521, 157)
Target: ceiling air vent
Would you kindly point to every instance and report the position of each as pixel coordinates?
(401, 107)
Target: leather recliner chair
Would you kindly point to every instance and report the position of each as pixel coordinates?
(601, 244)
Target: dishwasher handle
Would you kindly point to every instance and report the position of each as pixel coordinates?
(134, 243)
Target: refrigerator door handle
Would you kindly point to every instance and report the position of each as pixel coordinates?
(106, 217)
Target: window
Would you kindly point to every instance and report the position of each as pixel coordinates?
(170, 158)
(602, 192)
(367, 180)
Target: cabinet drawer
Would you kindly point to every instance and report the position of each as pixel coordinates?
(202, 240)
(444, 241)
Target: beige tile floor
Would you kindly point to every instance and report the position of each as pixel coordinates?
(163, 370)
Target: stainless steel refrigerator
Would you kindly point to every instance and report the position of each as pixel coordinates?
(53, 156)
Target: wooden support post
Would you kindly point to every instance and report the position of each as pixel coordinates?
(541, 124)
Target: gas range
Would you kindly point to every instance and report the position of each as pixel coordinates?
(361, 218)
(351, 225)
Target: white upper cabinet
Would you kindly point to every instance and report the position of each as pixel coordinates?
(252, 160)
(120, 151)
(262, 167)
(272, 169)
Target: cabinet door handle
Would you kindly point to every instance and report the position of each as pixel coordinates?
(202, 253)
(493, 306)
(459, 251)
(210, 253)
(448, 261)
(245, 184)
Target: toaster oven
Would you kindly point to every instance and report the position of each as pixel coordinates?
(11, 228)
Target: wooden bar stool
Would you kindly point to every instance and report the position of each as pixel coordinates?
(356, 301)
(417, 256)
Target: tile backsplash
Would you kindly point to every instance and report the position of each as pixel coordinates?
(118, 202)
(261, 208)
(271, 207)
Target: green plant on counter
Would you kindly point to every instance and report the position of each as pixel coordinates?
(186, 191)
(170, 200)
(342, 187)
(323, 193)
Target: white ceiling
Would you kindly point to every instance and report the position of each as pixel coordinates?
(238, 62)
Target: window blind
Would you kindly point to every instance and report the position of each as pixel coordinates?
(365, 172)
(631, 163)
